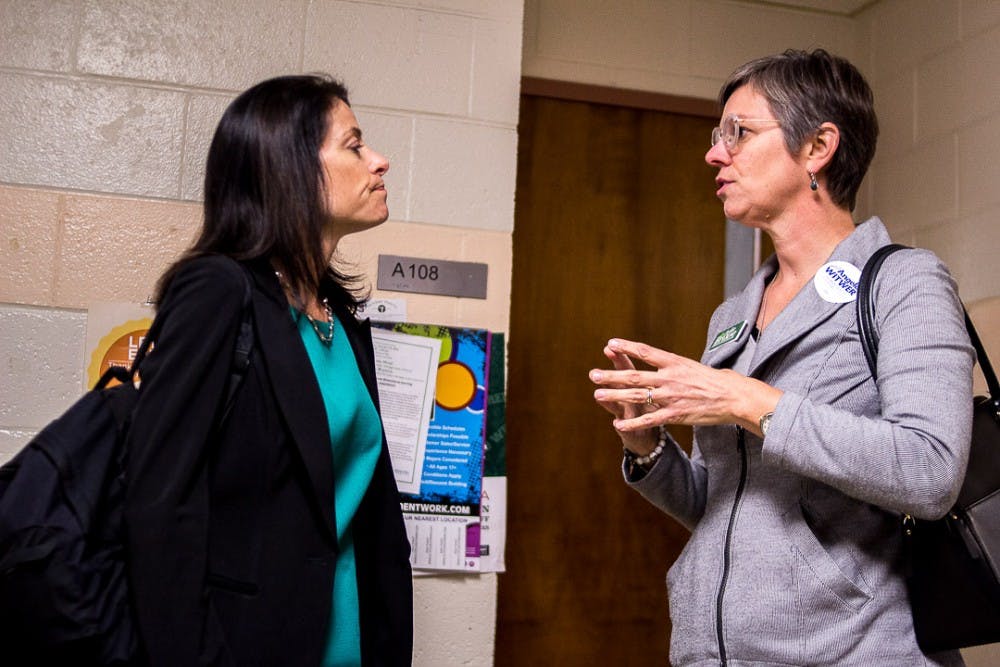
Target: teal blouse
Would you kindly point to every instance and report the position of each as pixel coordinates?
(356, 434)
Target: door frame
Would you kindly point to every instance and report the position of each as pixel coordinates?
(620, 97)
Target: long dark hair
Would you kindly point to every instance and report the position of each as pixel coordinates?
(264, 185)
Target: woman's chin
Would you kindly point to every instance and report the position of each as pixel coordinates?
(734, 212)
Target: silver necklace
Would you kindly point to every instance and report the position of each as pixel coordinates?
(325, 337)
(762, 317)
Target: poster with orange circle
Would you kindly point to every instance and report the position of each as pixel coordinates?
(114, 333)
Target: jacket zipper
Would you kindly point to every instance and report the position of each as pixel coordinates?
(727, 553)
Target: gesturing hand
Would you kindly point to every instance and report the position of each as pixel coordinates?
(675, 390)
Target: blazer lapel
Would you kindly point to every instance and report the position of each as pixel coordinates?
(296, 390)
(735, 318)
(808, 309)
(803, 314)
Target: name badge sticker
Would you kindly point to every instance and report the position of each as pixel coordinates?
(728, 335)
(837, 282)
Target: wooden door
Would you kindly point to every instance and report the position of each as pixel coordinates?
(617, 233)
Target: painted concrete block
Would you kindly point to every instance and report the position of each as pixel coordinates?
(89, 135)
(895, 24)
(496, 74)
(978, 147)
(12, 441)
(41, 364)
(464, 174)
(29, 221)
(424, 62)
(38, 34)
(918, 189)
(968, 246)
(895, 106)
(980, 78)
(114, 248)
(761, 31)
(979, 16)
(640, 34)
(227, 44)
(938, 102)
(203, 115)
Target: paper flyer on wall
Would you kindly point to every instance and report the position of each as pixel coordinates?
(406, 368)
(114, 333)
(443, 518)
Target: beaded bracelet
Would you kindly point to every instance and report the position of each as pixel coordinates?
(661, 442)
(646, 462)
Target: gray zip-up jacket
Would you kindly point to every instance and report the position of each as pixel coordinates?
(795, 551)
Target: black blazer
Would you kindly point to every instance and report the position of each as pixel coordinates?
(230, 532)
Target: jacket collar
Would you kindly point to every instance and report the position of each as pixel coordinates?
(805, 312)
(296, 390)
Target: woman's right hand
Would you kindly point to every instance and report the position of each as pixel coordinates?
(640, 442)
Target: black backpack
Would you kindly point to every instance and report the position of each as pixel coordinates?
(63, 591)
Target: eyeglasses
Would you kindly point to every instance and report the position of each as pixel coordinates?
(730, 131)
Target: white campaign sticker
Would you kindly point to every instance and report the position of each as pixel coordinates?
(837, 282)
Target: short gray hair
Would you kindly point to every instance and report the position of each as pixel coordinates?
(807, 89)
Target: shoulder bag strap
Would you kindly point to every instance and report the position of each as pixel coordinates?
(241, 353)
(984, 361)
(869, 337)
(866, 306)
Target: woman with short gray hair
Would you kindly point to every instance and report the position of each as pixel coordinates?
(803, 463)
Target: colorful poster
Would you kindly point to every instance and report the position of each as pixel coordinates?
(493, 507)
(114, 333)
(443, 519)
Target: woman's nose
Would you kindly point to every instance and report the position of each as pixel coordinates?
(717, 155)
(379, 163)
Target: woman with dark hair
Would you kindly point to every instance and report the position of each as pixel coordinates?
(803, 463)
(271, 534)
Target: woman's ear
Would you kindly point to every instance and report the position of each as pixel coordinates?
(820, 149)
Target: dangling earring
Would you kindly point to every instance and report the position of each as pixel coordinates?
(813, 185)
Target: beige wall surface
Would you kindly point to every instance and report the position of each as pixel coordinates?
(107, 108)
(932, 66)
(680, 47)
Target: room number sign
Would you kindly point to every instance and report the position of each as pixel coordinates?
(432, 276)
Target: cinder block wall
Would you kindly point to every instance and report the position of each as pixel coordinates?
(106, 111)
(933, 68)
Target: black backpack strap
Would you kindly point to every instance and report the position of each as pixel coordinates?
(866, 305)
(241, 353)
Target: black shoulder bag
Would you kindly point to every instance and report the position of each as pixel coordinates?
(953, 564)
(63, 591)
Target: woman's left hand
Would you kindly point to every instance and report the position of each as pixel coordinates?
(676, 390)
